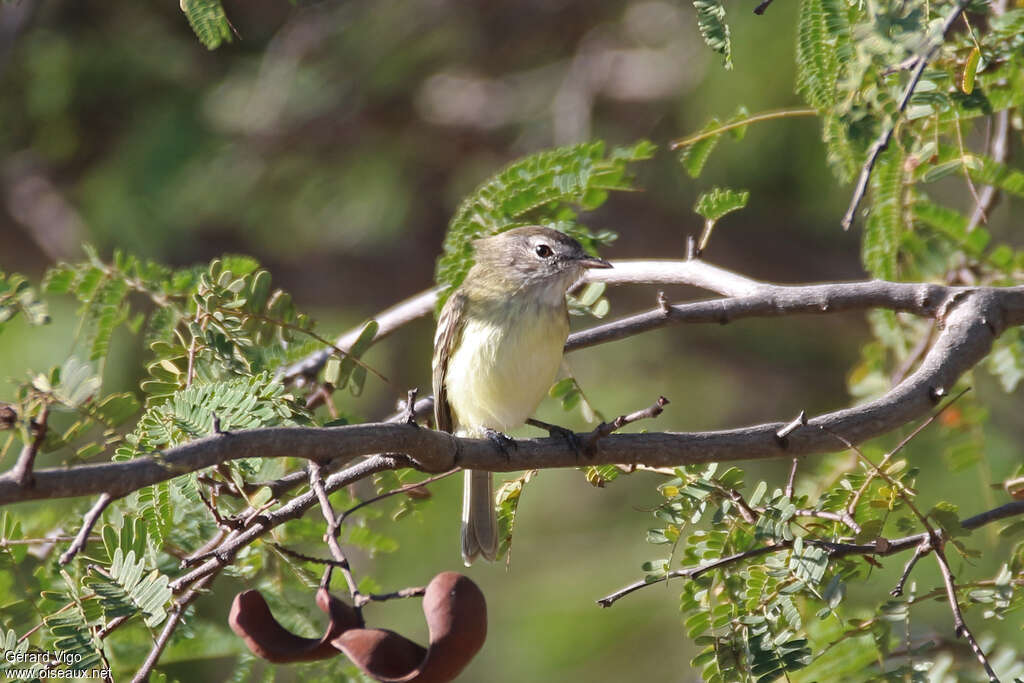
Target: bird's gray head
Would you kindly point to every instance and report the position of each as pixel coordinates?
(531, 256)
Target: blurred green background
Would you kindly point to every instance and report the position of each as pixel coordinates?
(333, 141)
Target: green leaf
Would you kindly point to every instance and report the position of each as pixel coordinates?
(718, 202)
(348, 366)
(124, 591)
(694, 157)
(713, 29)
(819, 28)
(16, 296)
(208, 21)
(885, 223)
(970, 70)
(507, 499)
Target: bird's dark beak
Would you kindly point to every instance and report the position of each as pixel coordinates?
(592, 262)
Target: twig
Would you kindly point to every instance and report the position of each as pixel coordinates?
(177, 612)
(88, 523)
(841, 517)
(915, 354)
(21, 473)
(316, 483)
(387, 494)
(959, 625)
(607, 428)
(228, 523)
(882, 548)
(851, 508)
(691, 572)
(906, 65)
(792, 478)
(233, 543)
(748, 514)
(414, 592)
(746, 121)
(883, 140)
(305, 558)
(934, 543)
(919, 552)
(388, 321)
(999, 150)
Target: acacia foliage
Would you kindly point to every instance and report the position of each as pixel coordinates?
(214, 336)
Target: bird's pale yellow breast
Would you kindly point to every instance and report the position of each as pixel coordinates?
(503, 367)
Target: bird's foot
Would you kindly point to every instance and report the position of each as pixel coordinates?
(574, 442)
(502, 441)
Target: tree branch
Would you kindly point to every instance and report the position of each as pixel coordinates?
(971, 319)
(644, 271)
(835, 551)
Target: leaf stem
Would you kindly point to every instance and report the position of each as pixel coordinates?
(755, 118)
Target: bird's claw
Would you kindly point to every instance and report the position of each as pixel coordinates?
(502, 441)
(574, 442)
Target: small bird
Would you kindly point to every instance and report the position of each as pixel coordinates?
(498, 348)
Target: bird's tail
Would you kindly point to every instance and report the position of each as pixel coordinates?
(479, 522)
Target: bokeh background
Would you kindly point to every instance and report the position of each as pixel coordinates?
(333, 141)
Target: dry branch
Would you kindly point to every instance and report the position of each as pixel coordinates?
(970, 319)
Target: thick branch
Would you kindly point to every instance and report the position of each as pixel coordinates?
(971, 319)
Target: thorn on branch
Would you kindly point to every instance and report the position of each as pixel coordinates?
(216, 426)
(408, 414)
(663, 304)
(797, 422)
(691, 248)
(761, 7)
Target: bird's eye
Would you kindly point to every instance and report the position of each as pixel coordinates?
(544, 251)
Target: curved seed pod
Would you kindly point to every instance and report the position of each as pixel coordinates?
(251, 619)
(456, 615)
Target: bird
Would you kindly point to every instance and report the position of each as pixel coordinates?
(497, 350)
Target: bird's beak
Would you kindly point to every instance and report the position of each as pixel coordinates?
(592, 262)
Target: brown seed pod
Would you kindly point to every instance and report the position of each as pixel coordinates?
(251, 619)
(456, 614)
(457, 621)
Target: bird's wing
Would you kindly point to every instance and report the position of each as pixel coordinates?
(446, 339)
